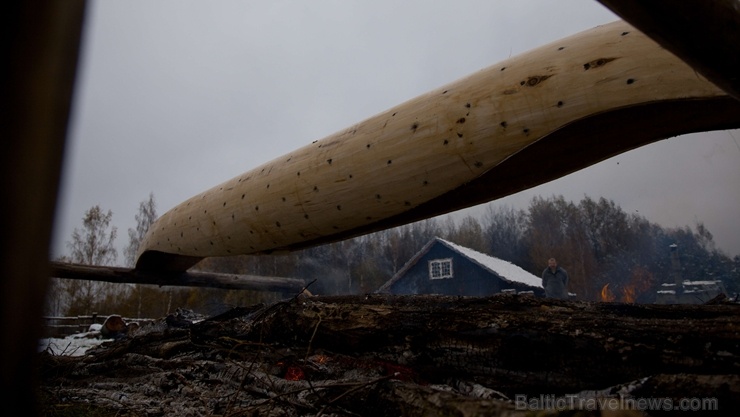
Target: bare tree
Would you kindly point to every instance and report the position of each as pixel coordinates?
(144, 219)
(555, 229)
(93, 245)
(469, 233)
(504, 228)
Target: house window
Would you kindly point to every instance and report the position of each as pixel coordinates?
(440, 268)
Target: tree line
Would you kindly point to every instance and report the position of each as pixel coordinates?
(596, 241)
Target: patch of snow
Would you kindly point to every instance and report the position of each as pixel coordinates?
(75, 345)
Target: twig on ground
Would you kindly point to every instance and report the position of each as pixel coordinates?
(350, 391)
(310, 341)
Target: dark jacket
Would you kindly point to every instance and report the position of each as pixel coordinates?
(555, 283)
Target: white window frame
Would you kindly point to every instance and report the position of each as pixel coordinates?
(440, 268)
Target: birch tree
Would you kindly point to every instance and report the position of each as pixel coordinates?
(92, 245)
(144, 219)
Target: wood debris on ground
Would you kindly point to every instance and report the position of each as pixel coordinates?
(382, 355)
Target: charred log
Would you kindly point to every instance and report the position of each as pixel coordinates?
(411, 355)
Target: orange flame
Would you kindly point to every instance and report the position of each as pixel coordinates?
(628, 294)
(320, 359)
(606, 294)
(294, 373)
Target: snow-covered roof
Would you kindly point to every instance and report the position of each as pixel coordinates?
(694, 283)
(700, 282)
(506, 270)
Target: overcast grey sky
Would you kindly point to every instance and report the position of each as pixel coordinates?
(174, 97)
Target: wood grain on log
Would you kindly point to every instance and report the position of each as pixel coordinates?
(704, 34)
(524, 121)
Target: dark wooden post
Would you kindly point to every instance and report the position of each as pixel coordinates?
(39, 48)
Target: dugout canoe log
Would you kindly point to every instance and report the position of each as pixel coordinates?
(525, 121)
(704, 34)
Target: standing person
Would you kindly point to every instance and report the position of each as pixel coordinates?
(555, 280)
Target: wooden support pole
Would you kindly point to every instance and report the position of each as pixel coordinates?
(39, 46)
(185, 279)
(705, 34)
(514, 125)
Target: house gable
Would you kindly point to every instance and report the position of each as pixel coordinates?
(467, 276)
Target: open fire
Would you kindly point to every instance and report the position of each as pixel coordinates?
(629, 294)
(641, 281)
(607, 295)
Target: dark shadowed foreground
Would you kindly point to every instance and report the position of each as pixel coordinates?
(411, 355)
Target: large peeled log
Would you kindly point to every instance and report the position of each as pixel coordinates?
(522, 122)
(704, 34)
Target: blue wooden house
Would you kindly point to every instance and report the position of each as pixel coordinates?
(443, 267)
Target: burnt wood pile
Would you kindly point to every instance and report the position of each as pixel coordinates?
(384, 355)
